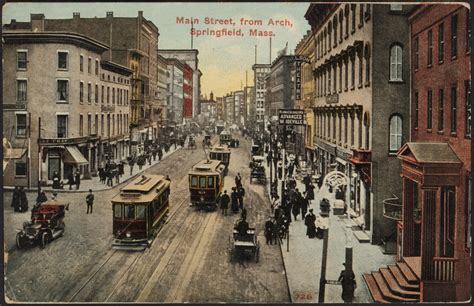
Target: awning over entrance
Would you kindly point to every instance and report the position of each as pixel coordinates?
(430, 164)
(14, 153)
(74, 156)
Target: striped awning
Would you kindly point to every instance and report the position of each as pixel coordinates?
(74, 156)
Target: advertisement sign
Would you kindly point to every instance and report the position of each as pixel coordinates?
(291, 117)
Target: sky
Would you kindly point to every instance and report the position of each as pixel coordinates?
(224, 60)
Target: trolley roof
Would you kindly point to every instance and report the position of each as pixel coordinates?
(220, 149)
(205, 167)
(225, 132)
(142, 189)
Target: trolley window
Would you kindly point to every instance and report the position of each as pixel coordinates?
(210, 182)
(129, 211)
(225, 157)
(202, 182)
(194, 181)
(140, 210)
(213, 155)
(118, 211)
(156, 204)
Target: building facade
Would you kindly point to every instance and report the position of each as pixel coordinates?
(434, 225)
(163, 90)
(305, 49)
(188, 92)
(238, 107)
(282, 86)
(259, 73)
(249, 106)
(229, 108)
(74, 117)
(361, 108)
(189, 57)
(176, 83)
(220, 108)
(132, 42)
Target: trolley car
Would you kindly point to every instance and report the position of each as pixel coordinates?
(206, 182)
(139, 211)
(225, 138)
(223, 154)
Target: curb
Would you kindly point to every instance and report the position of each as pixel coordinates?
(10, 188)
(290, 295)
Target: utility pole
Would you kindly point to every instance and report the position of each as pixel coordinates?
(255, 54)
(40, 159)
(29, 151)
(322, 279)
(270, 59)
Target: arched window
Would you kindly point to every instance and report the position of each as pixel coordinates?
(395, 133)
(396, 63)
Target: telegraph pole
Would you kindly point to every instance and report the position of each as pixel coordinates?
(322, 279)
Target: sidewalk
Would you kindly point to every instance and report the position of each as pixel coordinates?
(303, 260)
(94, 182)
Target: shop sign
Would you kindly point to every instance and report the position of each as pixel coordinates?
(291, 117)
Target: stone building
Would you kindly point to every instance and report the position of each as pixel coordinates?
(56, 122)
(361, 108)
(133, 43)
(176, 82)
(259, 73)
(249, 106)
(220, 108)
(281, 83)
(238, 107)
(163, 90)
(229, 108)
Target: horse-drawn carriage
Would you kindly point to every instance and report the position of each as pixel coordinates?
(257, 169)
(45, 225)
(244, 244)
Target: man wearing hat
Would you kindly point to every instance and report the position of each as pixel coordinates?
(348, 283)
(89, 201)
(310, 226)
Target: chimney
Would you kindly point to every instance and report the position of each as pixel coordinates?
(76, 15)
(110, 14)
(140, 14)
(37, 22)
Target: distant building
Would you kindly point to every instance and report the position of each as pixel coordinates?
(238, 107)
(259, 73)
(281, 83)
(249, 106)
(176, 82)
(208, 109)
(190, 57)
(188, 92)
(220, 108)
(229, 108)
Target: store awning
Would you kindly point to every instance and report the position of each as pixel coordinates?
(14, 153)
(74, 156)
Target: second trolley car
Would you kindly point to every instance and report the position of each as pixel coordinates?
(223, 154)
(206, 182)
(139, 211)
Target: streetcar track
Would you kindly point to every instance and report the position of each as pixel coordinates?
(172, 214)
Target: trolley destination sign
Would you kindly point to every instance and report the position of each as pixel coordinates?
(290, 117)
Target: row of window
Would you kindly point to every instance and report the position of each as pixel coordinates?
(333, 126)
(121, 98)
(328, 37)
(330, 80)
(441, 42)
(63, 64)
(120, 121)
(62, 93)
(441, 109)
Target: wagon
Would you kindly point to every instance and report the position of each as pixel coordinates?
(46, 224)
(241, 246)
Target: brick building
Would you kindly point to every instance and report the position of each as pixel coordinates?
(188, 92)
(435, 221)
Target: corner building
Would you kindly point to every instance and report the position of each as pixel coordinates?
(361, 104)
(434, 225)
